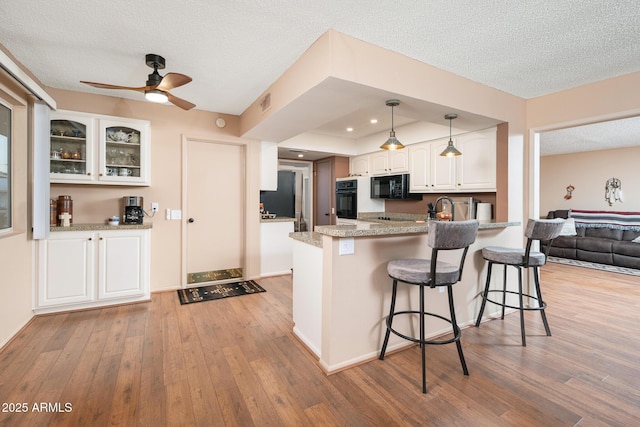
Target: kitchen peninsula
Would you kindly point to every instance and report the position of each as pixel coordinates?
(341, 290)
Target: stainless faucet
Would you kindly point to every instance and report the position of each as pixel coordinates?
(435, 205)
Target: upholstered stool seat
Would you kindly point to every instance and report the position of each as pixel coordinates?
(432, 273)
(537, 230)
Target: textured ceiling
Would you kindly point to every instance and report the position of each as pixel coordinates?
(235, 49)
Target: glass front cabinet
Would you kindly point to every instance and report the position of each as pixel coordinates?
(93, 149)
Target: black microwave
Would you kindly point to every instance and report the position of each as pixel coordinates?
(392, 187)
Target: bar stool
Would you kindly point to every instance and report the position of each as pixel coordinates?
(541, 230)
(432, 273)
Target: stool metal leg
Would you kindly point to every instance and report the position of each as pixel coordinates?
(522, 333)
(504, 290)
(456, 330)
(485, 294)
(422, 344)
(389, 320)
(536, 279)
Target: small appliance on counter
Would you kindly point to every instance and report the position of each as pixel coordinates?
(133, 213)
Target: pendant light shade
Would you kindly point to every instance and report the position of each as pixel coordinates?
(392, 143)
(450, 151)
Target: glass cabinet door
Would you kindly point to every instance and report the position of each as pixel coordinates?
(123, 151)
(71, 149)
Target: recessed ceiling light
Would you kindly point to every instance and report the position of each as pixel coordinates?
(349, 129)
(373, 121)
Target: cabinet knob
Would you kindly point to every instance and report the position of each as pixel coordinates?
(100, 174)
(191, 220)
(89, 173)
(90, 238)
(101, 238)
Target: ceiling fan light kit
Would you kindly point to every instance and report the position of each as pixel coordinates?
(450, 151)
(155, 95)
(157, 87)
(392, 143)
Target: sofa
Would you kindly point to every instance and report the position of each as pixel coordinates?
(601, 237)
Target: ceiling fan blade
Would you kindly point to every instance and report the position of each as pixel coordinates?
(108, 86)
(179, 102)
(173, 80)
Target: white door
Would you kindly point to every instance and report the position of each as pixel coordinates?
(214, 214)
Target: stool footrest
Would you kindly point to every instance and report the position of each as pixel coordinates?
(517, 307)
(417, 340)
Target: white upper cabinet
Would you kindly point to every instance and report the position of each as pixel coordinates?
(72, 147)
(359, 165)
(389, 162)
(93, 149)
(429, 171)
(476, 168)
(268, 166)
(474, 171)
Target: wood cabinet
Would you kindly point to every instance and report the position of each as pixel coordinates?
(84, 269)
(93, 149)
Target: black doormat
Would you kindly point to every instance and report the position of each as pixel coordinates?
(218, 291)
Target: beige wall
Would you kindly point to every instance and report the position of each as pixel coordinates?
(588, 172)
(94, 203)
(605, 100)
(16, 266)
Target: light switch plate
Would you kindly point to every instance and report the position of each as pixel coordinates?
(347, 246)
(176, 214)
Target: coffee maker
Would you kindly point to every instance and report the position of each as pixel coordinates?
(133, 212)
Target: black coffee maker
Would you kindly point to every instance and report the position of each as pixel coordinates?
(133, 212)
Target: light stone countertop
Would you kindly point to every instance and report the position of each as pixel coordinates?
(310, 237)
(376, 227)
(101, 227)
(277, 219)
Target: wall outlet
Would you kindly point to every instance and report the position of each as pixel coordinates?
(154, 207)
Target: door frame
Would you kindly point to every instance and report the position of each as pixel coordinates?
(251, 236)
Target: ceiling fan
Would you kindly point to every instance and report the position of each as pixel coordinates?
(158, 87)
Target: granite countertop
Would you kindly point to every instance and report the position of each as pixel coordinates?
(277, 219)
(310, 237)
(101, 227)
(375, 227)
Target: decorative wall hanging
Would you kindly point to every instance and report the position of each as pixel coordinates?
(569, 194)
(613, 191)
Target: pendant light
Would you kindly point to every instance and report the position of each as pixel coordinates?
(450, 151)
(392, 143)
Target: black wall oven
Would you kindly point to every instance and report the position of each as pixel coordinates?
(347, 199)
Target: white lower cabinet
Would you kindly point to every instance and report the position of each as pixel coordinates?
(84, 269)
(276, 248)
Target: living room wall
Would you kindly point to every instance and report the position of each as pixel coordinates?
(588, 172)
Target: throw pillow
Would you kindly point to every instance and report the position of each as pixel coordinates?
(636, 240)
(569, 227)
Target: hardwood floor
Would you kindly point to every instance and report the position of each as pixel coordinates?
(236, 362)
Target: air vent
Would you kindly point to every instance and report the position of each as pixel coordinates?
(265, 102)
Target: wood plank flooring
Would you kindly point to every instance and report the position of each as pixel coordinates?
(235, 362)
